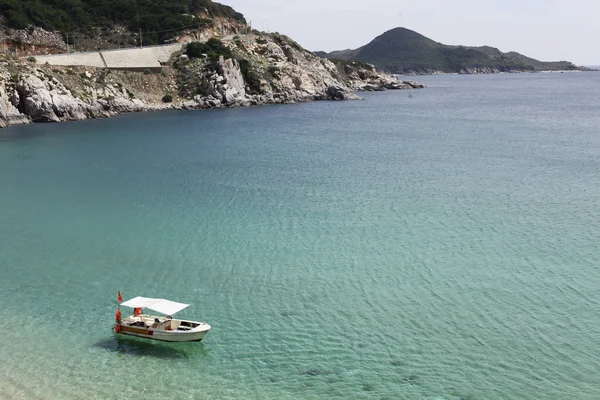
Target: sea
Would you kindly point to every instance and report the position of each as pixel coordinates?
(435, 244)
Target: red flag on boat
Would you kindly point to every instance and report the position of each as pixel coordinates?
(120, 297)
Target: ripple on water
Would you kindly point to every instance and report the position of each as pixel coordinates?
(441, 247)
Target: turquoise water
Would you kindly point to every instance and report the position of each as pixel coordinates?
(435, 244)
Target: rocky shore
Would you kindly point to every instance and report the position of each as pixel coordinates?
(263, 69)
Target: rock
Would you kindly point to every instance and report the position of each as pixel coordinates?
(276, 70)
(15, 99)
(230, 70)
(48, 102)
(289, 53)
(121, 105)
(231, 95)
(372, 88)
(33, 39)
(189, 105)
(213, 102)
(3, 113)
(68, 108)
(414, 84)
(36, 101)
(335, 92)
(297, 81)
(479, 70)
(274, 52)
(96, 110)
(9, 114)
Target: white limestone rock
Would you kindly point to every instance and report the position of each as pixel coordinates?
(234, 86)
(9, 114)
(36, 99)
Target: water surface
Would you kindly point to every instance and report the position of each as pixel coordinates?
(433, 244)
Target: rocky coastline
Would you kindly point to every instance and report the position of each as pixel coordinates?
(262, 69)
(490, 71)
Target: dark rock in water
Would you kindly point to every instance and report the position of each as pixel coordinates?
(414, 84)
(315, 372)
(335, 92)
(373, 88)
(288, 313)
(368, 387)
(457, 395)
(411, 379)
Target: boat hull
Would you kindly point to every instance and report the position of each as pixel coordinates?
(165, 336)
(192, 335)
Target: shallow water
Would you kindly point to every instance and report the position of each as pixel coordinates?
(433, 244)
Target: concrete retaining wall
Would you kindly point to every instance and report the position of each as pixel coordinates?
(89, 59)
(135, 58)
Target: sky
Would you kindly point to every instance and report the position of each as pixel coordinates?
(548, 30)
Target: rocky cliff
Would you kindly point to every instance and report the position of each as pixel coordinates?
(255, 68)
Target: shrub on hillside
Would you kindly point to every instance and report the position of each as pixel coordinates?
(213, 48)
(160, 20)
(251, 77)
(196, 49)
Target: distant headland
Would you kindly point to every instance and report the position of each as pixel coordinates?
(402, 51)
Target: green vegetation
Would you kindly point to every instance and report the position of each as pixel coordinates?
(401, 50)
(273, 70)
(196, 49)
(351, 63)
(159, 20)
(282, 40)
(167, 98)
(213, 48)
(251, 77)
(240, 45)
(102, 76)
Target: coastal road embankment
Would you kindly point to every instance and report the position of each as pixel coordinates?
(134, 58)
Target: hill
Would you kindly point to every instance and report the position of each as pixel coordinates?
(159, 20)
(403, 51)
(237, 70)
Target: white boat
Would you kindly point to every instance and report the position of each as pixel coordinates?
(165, 327)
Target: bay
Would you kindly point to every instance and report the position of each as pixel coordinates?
(432, 244)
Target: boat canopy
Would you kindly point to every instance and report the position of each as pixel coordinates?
(162, 306)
